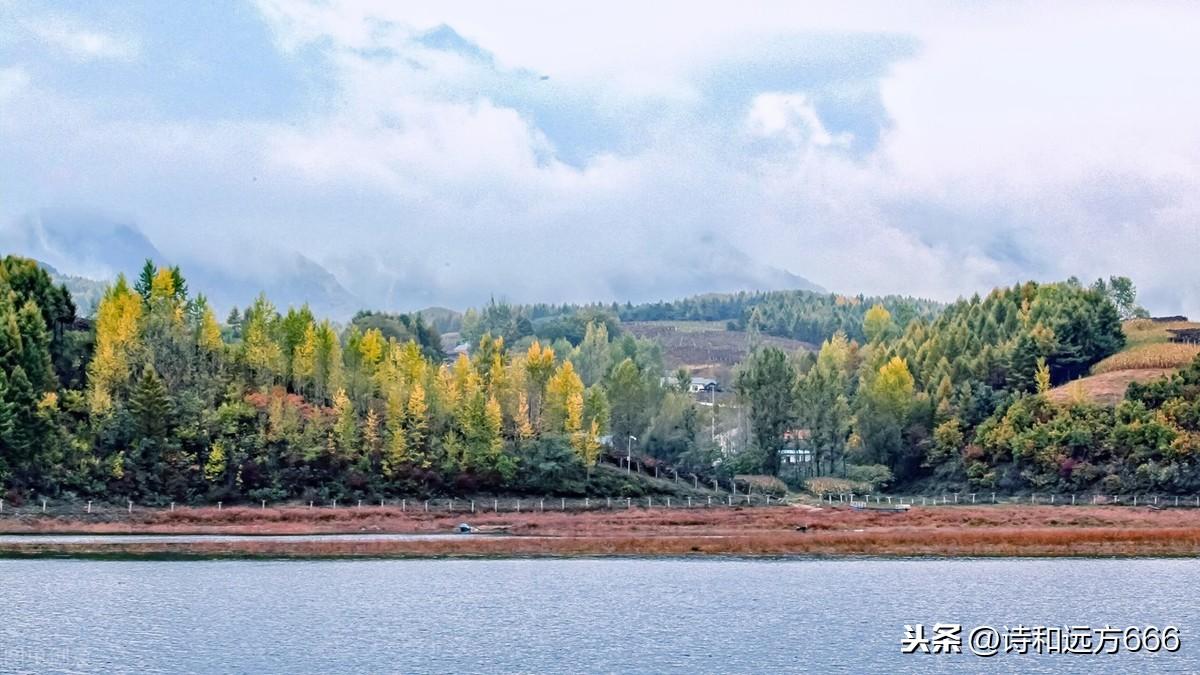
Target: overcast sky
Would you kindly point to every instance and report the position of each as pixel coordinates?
(614, 150)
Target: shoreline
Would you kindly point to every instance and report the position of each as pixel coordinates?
(796, 531)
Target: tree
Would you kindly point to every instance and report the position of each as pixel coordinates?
(877, 323)
(118, 344)
(767, 383)
(145, 280)
(823, 404)
(416, 426)
(591, 357)
(214, 466)
(628, 399)
(561, 393)
(1123, 295)
(345, 429)
(261, 354)
(1042, 376)
(539, 366)
(397, 453)
(884, 412)
(151, 406)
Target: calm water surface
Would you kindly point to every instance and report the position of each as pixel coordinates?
(571, 616)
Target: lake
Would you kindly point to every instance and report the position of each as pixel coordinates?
(588, 615)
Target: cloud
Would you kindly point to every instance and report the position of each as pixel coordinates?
(441, 154)
(81, 42)
(12, 80)
(792, 117)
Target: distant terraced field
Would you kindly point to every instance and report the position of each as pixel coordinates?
(705, 348)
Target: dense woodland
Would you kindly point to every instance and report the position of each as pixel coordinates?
(154, 399)
(800, 315)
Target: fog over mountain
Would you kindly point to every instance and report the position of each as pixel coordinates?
(88, 244)
(442, 154)
(92, 245)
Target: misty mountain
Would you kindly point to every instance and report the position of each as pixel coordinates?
(81, 248)
(85, 292)
(79, 243)
(83, 245)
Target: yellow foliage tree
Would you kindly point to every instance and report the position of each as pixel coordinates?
(214, 467)
(416, 427)
(539, 366)
(877, 322)
(561, 391)
(1042, 376)
(117, 343)
(524, 428)
(304, 361)
(208, 333)
(397, 444)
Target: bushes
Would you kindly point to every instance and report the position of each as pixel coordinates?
(830, 485)
(876, 476)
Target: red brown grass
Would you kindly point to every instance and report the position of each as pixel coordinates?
(941, 531)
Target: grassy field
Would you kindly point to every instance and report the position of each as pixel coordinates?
(1144, 331)
(1104, 389)
(1148, 355)
(1009, 530)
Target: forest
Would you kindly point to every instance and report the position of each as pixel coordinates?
(808, 316)
(154, 399)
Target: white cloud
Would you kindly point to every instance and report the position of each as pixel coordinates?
(82, 42)
(1018, 141)
(12, 80)
(793, 117)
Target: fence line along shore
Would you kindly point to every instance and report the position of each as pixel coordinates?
(577, 504)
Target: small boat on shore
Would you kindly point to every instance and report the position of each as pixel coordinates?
(465, 528)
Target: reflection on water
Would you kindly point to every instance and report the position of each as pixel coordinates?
(662, 615)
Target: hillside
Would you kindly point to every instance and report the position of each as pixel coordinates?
(705, 348)
(1148, 355)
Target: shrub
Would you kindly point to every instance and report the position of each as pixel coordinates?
(830, 485)
(764, 484)
(877, 476)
